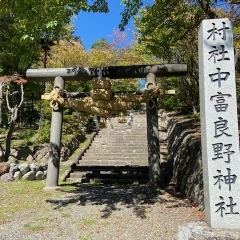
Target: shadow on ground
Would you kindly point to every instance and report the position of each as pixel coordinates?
(115, 197)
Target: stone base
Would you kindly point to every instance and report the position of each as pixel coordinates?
(51, 188)
(201, 231)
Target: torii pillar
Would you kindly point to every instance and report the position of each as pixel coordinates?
(55, 140)
(153, 137)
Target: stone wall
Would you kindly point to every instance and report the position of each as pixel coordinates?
(40, 153)
(35, 167)
(184, 156)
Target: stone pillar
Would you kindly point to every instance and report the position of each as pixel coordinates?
(153, 137)
(55, 140)
(219, 124)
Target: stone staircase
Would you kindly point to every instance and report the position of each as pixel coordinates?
(118, 153)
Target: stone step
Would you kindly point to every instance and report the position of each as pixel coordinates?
(129, 168)
(114, 158)
(108, 181)
(119, 140)
(120, 161)
(134, 125)
(136, 118)
(114, 145)
(164, 146)
(104, 162)
(120, 150)
(122, 141)
(109, 175)
(114, 127)
(111, 141)
(123, 155)
(119, 173)
(118, 153)
(120, 136)
(117, 127)
(116, 150)
(138, 123)
(116, 176)
(120, 146)
(141, 131)
(124, 135)
(77, 174)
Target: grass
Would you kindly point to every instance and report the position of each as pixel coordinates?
(26, 195)
(88, 222)
(13, 197)
(44, 219)
(34, 228)
(65, 215)
(23, 136)
(66, 138)
(84, 144)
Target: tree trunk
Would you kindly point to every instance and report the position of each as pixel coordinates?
(14, 113)
(10, 132)
(1, 103)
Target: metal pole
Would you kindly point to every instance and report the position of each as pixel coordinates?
(55, 141)
(153, 137)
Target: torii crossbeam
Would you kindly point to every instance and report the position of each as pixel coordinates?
(112, 72)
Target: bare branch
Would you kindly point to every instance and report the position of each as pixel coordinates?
(22, 93)
(207, 9)
(234, 2)
(7, 101)
(13, 93)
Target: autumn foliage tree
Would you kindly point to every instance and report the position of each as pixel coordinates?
(118, 52)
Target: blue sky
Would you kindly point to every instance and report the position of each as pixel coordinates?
(93, 26)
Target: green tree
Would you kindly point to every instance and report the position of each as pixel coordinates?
(168, 30)
(29, 21)
(100, 43)
(12, 54)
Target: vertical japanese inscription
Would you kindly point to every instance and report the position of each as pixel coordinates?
(220, 145)
(220, 53)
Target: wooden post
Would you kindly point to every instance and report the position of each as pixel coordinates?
(55, 140)
(153, 137)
